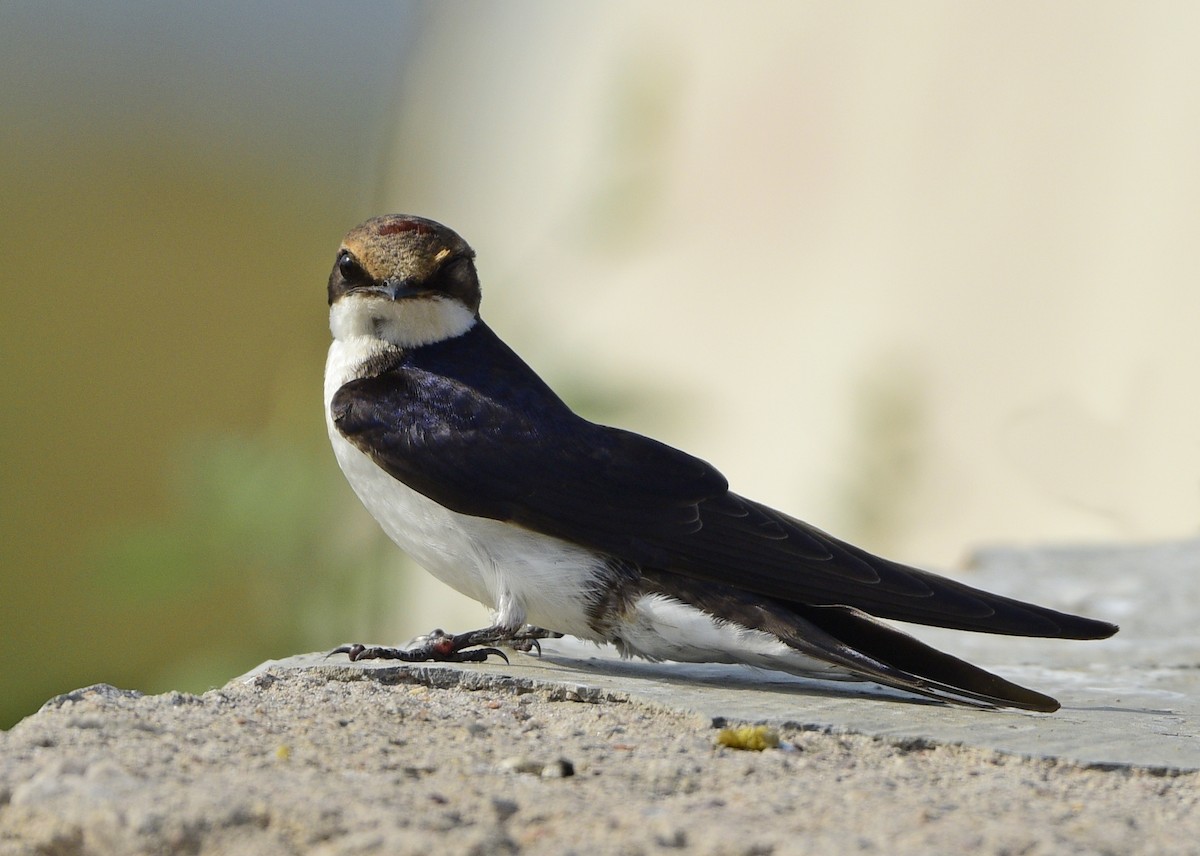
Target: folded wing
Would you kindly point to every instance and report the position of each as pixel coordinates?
(528, 460)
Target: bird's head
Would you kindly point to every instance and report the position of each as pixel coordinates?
(403, 280)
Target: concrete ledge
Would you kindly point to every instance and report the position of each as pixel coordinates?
(579, 753)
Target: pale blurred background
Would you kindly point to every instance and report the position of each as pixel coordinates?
(924, 274)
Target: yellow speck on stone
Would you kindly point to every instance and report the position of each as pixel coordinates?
(753, 737)
(283, 752)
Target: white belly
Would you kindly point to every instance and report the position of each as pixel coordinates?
(663, 628)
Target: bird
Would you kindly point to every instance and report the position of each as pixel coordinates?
(476, 469)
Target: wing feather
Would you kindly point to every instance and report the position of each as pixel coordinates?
(491, 444)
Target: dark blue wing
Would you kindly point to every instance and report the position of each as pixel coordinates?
(469, 425)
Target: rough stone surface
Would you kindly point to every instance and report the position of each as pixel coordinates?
(335, 760)
(571, 754)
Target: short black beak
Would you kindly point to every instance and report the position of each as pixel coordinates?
(392, 289)
(398, 289)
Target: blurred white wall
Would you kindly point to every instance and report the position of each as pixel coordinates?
(924, 274)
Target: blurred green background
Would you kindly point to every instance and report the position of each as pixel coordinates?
(924, 274)
(176, 179)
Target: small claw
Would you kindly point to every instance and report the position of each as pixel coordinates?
(358, 651)
(352, 650)
(528, 646)
(479, 655)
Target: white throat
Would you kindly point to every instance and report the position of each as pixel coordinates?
(404, 323)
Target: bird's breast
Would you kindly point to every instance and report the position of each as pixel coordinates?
(524, 576)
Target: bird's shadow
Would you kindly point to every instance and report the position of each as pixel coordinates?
(737, 677)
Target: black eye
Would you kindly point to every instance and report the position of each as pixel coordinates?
(458, 279)
(350, 269)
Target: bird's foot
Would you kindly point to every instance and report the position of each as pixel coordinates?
(526, 639)
(474, 646)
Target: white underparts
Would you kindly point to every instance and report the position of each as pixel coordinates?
(663, 628)
(522, 576)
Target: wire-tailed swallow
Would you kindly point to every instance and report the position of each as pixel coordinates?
(476, 469)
